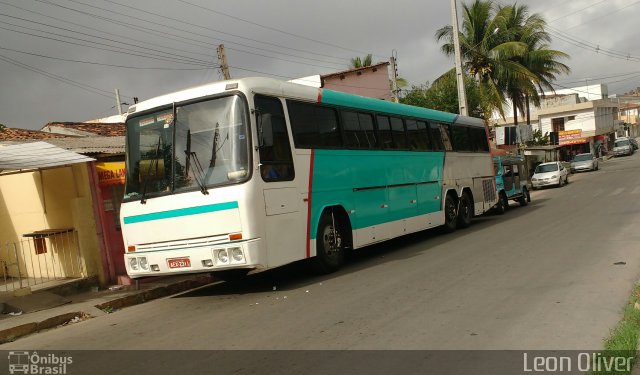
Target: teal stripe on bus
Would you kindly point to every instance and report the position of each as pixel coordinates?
(180, 212)
(360, 102)
(363, 181)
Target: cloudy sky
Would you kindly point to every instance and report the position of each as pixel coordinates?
(61, 60)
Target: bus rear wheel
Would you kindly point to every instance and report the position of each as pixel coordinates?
(330, 246)
(450, 213)
(465, 210)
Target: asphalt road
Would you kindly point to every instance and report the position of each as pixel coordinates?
(539, 277)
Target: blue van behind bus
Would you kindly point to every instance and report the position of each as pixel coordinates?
(512, 181)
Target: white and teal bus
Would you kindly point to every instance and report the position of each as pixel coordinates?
(250, 174)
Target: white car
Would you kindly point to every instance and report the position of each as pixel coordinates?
(550, 174)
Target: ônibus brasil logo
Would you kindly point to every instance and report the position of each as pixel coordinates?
(23, 362)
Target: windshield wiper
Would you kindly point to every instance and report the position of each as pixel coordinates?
(214, 150)
(154, 162)
(198, 175)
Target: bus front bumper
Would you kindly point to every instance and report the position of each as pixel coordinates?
(231, 255)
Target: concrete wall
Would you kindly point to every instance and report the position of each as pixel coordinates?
(367, 82)
(49, 199)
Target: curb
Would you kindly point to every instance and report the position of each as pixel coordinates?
(155, 293)
(10, 334)
(13, 333)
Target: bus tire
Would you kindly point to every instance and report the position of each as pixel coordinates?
(330, 246)
(450, 213)
(465, 210)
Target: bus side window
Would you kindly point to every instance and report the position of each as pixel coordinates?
(436, 137)
(480, 141)
(417, 136)
(358, 130)
(276, 163)
(384, 133)
(446, 137)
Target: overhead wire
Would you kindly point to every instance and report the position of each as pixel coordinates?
(315, 53)
(56, 77)
(267, 27)
(117, 49)
(101, 64)
(180, 39)
(191, 33)
(85, 34)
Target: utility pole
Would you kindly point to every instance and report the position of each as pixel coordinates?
(462, 97)
(118, 102)
(394, 79)
(222, 61)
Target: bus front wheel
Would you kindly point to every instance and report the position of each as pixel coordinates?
(450, 213)
(330, 246)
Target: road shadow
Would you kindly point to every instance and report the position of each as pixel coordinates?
(300, 274)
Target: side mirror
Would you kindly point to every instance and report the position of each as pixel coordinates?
(265, 130)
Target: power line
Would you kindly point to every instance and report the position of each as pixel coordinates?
(578, 80)
(68, 81)
(603, 15)
(102, 64)
(206, 45)
(164, 32)
(182, 40)
(578, 11)
(266, 27)
(190, 24)
(161, 53)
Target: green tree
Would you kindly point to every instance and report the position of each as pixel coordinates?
(442, 95)
(543, 63)
(505, 49)
(537, 139)
(2, 127)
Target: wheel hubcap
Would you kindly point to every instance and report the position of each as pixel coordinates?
(332, 241)
(451, 211)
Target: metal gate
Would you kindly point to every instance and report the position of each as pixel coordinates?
(40, 259)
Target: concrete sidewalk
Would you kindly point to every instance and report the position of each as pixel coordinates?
(44, 310)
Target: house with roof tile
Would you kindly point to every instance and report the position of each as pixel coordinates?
(60, 221)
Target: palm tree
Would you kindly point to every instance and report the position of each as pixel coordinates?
(505, 49)
(543, 63)
(357, 62)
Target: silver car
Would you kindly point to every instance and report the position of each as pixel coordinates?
(584, 162)
(622, 146)
(552, 173)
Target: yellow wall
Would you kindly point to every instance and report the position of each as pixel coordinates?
(49, 199)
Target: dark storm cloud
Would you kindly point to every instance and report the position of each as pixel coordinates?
(335, 31)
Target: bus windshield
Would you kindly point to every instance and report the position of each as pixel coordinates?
(188, 147)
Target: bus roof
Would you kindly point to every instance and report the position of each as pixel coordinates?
(270, 86)
(360, 102)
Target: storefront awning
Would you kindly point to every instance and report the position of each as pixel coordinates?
(27, 157)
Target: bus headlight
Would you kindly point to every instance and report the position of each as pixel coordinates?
(222, 256)
(143, 263)
(237, 255)
(133, 263)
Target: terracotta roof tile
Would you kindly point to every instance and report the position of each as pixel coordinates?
(97, 128)
(14, 134)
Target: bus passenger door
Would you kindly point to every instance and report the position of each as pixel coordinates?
(284, 229)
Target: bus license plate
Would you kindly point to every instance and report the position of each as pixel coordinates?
(179, 262)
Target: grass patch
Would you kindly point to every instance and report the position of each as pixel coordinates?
(623, 340)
